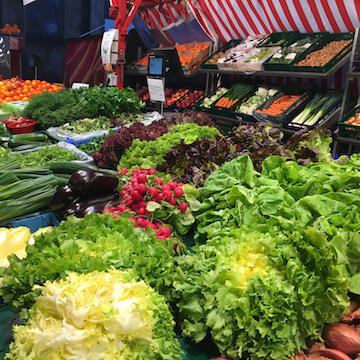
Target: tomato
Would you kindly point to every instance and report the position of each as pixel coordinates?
(7, 99)
(25, 98)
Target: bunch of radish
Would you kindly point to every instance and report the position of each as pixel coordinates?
(142, 188)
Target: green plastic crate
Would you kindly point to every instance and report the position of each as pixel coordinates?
(323, 42)
(305, 97)
(348, 130)
(288, 37)
(288, 67)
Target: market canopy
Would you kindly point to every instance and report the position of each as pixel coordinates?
(232, 19)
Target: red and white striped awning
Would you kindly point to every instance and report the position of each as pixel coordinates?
(165, 15)
(231, 19)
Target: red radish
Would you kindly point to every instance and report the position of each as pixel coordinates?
(142, 179)
(141, 188)
(172, 201)
(159, 198)
(158, 225)
(136, 195)
(158, 181)
(129, 201)
(146, 223)
(124, 171)
(122, 193)
(183, 207)
(171, 185)
(142, 204)
(153, 226)
(127, 188)
(165, 230)
(141, 211)
(151, 172)
(167, 195)
(180, 184)
(116, 216)
(140, 221)
(133, 181)
(121, 208)
(153, 191)
(178, 192)
(161, 237)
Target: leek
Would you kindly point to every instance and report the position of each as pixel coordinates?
(331, 100)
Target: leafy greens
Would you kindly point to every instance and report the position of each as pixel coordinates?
(97, 316)
(96, 242)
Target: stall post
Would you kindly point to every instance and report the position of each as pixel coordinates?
(122, 23)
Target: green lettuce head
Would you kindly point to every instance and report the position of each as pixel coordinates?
(100, 315)
(260, 295)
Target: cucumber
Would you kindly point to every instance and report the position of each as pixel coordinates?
(28, 139)
(67, 167)
(24, 147)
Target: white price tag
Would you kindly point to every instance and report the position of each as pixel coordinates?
(291, 56)
(306, 46)
(79, 85)
(277, 55)
(106, 45)
(156, 89)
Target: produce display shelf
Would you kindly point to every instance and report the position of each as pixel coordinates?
(353, 74)
(294, 74)
(330, 121)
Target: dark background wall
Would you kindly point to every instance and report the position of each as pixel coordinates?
(46, 24)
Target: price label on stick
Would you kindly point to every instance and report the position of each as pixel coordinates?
(79, 85)
(156, 89)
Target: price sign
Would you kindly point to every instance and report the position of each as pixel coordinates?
(79, 85)
(156, 89)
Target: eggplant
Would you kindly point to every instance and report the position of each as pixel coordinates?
(82, 207)
(92, 183)
(62, 198)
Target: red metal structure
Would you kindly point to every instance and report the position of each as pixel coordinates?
(123, 18)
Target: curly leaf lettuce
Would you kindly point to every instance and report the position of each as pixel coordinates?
(100, 315)
(96, 242)
(260, 295)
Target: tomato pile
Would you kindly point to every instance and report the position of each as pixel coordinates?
(142, 191)
(189, 98)
(176, 96)
(16, 89)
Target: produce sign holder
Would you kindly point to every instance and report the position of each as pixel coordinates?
(288, 124)
(287, 114)
(349, 130)
(289, 37)
(328, 38)
(248, 67)
(230, 44)
(319, 36)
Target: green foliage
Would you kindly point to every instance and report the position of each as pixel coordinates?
(260, 295)
(96, 242)
(151, 153)
(55, 109)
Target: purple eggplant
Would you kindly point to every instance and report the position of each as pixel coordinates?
(92, 183)
(82, 207)
(62, 198)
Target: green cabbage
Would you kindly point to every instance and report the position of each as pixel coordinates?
(100, 315)
(96, 242)
(260, 295)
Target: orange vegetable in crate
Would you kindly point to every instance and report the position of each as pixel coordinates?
(280, 105)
